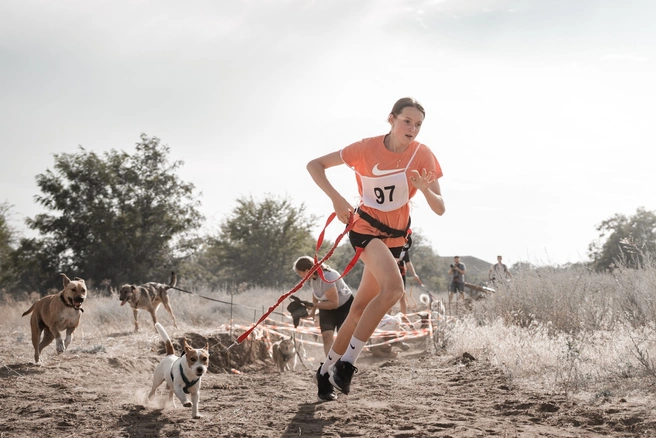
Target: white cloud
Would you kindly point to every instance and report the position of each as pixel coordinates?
(625, 57)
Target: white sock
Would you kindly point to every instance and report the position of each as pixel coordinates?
(331, 358)
(353, 350)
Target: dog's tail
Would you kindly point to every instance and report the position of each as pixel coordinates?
(425, 299)
(165, 337)
(29, 310)
(174, 280)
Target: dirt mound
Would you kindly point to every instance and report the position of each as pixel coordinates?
(252, 353)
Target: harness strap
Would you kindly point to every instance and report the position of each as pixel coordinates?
(392, 232)
(187, 383)
(346, 270)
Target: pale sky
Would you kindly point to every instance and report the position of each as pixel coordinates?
(541, 113)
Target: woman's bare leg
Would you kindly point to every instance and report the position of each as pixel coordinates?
(327, 338)
(367, 290)
(380, 264)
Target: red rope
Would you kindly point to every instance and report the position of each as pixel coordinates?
(317, 264)
(348, 268)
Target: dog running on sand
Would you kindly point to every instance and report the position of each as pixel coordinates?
(181, 374)
(54, 313)
(148, 297)
(284, 355)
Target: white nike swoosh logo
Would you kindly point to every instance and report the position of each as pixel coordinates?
(376, 171)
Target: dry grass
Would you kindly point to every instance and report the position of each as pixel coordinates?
(202, 309)
(568, 331)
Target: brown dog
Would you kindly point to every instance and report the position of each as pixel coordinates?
(284, 355)
(54, 313)
(148, 297)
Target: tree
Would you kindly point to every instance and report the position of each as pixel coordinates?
(122, 217)
(7, 242)
(624, 241)
(34, 266)
(259, 241)
(28, 267)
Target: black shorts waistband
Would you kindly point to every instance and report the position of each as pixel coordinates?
(391, 232)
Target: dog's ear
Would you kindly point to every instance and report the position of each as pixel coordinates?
(186, 346)
(66, 279)
(207, 346)
(133, 287)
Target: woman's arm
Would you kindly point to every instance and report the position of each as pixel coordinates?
(411, 269)
(317, 169)
(430, 188)
(313, 310)
(331, 300)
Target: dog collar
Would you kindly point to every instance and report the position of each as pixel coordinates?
(187, 383)
(61, 295)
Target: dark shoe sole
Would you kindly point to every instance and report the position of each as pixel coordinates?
(327, 397)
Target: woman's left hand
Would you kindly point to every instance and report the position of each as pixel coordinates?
(422, 180)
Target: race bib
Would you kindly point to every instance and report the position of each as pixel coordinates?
(385, 193)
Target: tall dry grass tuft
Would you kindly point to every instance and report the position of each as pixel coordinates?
(201, 308)
(570, 330)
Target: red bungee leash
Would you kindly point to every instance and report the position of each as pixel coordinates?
(317, 265)
(354, 260)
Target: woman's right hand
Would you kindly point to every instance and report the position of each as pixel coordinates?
(317, 169)
(343, 210)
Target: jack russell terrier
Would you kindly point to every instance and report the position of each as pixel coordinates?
(182, 374)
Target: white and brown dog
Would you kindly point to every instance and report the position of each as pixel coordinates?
(182, 374)
(148, 297)
(435, 306)
(434, 315)
(284, 355)
(54, 313)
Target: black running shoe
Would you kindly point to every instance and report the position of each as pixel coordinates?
(325, 389)
(341, 375)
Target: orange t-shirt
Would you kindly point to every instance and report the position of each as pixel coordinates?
(371, 161)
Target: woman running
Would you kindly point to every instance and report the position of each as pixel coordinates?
(389, 170)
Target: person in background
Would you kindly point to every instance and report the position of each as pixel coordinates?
(389, 169)
(457, 273)
(499, 271)
(332, 298)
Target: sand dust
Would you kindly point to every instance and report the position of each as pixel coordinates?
(99, 387)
